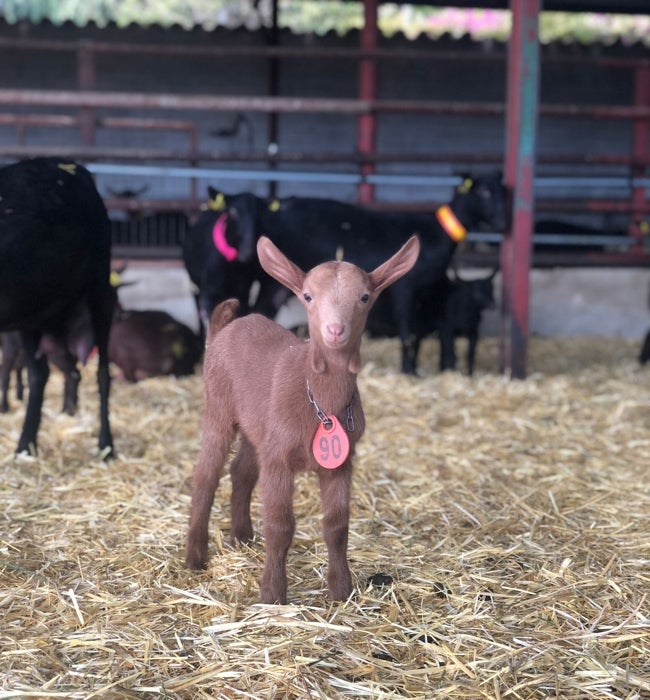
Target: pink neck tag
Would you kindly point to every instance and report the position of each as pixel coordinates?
(219, 239)
(331, 446)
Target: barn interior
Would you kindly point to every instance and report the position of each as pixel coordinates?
(499, 530)
(392, 123)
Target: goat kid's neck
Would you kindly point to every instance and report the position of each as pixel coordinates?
(331, 382)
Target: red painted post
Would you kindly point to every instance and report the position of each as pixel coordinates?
(86, 80)
(273, 39)
(521, 132)
(641, 150)
(368, 80)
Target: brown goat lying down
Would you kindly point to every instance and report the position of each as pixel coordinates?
(296, 406)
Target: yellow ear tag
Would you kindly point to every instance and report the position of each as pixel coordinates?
(115, 279)
(218, 202)
(644, 226)
(178, 349)
(274, 205)
(466, 185)
(339, 254)
(70, 168)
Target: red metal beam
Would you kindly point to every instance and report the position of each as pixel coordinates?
(521, 128)
(301, 53)
(130, 100)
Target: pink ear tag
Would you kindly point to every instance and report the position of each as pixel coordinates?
(331, 446)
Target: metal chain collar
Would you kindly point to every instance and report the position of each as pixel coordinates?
(324, 418)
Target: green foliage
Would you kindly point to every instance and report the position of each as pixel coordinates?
(321, 16)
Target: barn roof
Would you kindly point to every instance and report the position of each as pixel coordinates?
(442, 29)
(628, 21)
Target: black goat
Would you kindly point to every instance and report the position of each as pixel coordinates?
(55, 251)
(13, 359)
(461, 315)
(221, 262)
(644, 355)
(452, 308)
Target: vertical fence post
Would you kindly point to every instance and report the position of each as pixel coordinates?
(641, 148)
(367, 125)
(273, 39)
(521, 132)
(86, 80)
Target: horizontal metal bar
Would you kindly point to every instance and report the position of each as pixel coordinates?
(560, 239)
(541, 260)
(87, 153)
(302, 52)
(343, 178)
(340, 106)
(235, 174)
(592, 181)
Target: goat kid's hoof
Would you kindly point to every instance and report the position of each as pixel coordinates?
(195, 563)
(271, 599)
(342, 591)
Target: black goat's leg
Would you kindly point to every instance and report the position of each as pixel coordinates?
(38, 372)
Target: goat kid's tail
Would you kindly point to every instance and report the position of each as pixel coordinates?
(222, 315)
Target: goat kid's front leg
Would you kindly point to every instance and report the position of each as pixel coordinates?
(335, 497)
(244, 473)
(205, 480)
(276, 484)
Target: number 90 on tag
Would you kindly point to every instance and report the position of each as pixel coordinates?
(331, 446)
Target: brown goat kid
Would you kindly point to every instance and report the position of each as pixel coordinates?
(295, 404)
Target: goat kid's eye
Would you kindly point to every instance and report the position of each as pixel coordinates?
(365, 298)
(307, 297)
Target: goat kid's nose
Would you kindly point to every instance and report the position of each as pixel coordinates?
(336, 330)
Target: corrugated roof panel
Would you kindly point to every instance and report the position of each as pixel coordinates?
(451, 24)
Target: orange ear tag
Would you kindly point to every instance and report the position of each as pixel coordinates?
(331, 446)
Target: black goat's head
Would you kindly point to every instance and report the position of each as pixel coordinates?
(241, 213)
(484, 198)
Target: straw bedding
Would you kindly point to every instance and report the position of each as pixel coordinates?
(500, 545)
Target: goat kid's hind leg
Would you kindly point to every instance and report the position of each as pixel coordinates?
(205, 480)
(277, 485)
(244, 473)
(335, 496)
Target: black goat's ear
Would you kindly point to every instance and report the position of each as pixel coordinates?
(216, 199)
(276, 264)
(396, 266)
(466, 185)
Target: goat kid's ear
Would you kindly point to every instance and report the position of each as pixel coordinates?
(397, 266)
(279, 266)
